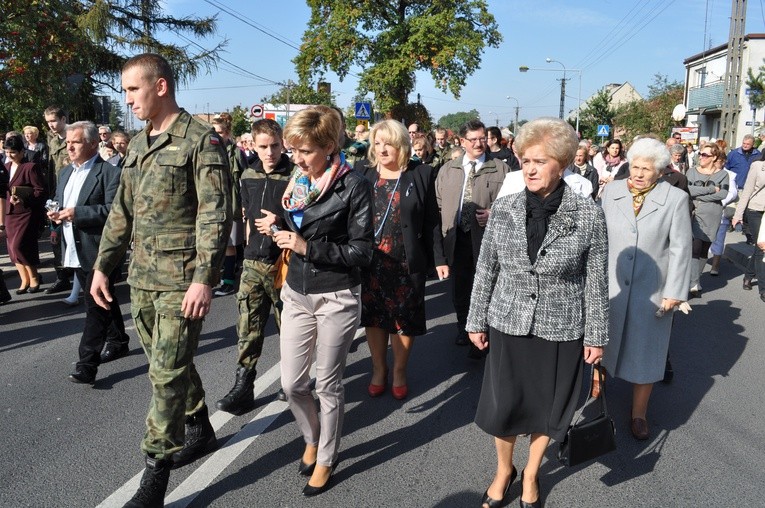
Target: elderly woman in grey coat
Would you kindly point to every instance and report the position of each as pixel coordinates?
(649, 267)
(540, 299)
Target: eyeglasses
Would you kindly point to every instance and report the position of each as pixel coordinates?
(473, 141)
(705, 155)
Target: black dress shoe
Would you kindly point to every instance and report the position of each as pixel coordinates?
(82, 377)
(34, 289)
(747, 284)
(113, 352)
(310, 491)
(497, 503)
(59, 286)
(22, 291)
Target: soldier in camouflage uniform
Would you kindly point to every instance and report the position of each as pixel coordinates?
(57, 160)
(174, 199)
(263, 185)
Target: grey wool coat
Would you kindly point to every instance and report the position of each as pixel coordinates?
(649, 258)
(563, 296)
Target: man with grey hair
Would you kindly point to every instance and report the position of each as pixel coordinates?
(85, 191)
(741, 158)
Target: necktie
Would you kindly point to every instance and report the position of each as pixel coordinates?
(468, 207)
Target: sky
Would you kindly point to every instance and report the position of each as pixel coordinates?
(599, 42)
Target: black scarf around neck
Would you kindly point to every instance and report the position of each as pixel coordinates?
(538, 213)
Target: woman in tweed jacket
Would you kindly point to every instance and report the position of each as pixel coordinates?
(540, 298)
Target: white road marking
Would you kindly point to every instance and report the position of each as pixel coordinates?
(216, 463)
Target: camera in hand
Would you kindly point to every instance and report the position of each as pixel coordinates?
(52, 205)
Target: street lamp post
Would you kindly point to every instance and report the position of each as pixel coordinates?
(524, 68)
(517, 107)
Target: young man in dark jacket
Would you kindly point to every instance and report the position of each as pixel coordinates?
(262, 187)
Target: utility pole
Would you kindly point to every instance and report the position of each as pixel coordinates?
(730, 109)
(562, 95)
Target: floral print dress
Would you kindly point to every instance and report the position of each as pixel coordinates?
(392, 298)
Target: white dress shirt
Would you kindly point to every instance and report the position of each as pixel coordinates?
(466, 169)
(71, 195)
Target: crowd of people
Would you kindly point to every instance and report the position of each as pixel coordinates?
(560, 254)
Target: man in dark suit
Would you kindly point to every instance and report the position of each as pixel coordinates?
(85, 191)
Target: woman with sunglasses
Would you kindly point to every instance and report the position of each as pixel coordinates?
(708, 186)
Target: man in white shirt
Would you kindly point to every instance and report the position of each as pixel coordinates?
(465, 189)
(85, 191)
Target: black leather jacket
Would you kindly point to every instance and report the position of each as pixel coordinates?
(340, 238)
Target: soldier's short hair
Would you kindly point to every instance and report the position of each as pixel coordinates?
(267, 126)
(154, 67)
(89, 130)
(320, 126)
(55, 110)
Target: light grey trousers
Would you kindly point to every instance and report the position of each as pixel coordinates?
(323, 324)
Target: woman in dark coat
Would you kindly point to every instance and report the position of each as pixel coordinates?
(407, 237)
(540, 299)
(24, 212)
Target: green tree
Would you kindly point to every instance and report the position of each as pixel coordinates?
(65, 52)
(653, 115)
(239, 122)
(115, 115)
(392, 40)
(596, 112)
(756, 84)
(39, 65)
(453, 121)
(300, 93)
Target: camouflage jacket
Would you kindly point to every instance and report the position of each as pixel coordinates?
(174, 201)
(58, 158)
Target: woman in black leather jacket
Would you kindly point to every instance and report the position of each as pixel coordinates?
(328, 208)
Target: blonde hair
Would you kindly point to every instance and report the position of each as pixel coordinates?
(556, 136)
(31, 128)
(319, 125)
(394, 133)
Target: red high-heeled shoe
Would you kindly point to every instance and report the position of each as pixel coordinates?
(399, 392)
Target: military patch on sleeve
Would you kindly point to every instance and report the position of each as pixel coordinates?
(214, 140)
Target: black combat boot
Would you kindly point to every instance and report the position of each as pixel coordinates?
(151, 493)
(199, 439)
(240, 399)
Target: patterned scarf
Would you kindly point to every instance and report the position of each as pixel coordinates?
(638, 195)
(612, 161)
(301, 193)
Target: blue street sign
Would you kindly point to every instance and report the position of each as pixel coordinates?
(603, 131)
(362, 110)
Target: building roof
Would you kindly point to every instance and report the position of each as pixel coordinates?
(719, 48)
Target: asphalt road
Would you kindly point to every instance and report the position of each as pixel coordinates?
(73, 445)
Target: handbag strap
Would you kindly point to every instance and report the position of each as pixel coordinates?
(602, 397)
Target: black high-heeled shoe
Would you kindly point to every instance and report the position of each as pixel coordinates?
(22, 291)
(535, 504)
(309, 490)
(497, 503)
(306, 469)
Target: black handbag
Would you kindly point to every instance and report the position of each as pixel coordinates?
(586, 440)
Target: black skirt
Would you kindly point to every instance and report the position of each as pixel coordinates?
(530, 385)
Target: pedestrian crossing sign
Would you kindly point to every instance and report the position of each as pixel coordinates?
(362, 110)
(603, 131)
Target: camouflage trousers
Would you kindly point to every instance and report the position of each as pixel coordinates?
(255, 297)
(170, 342)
